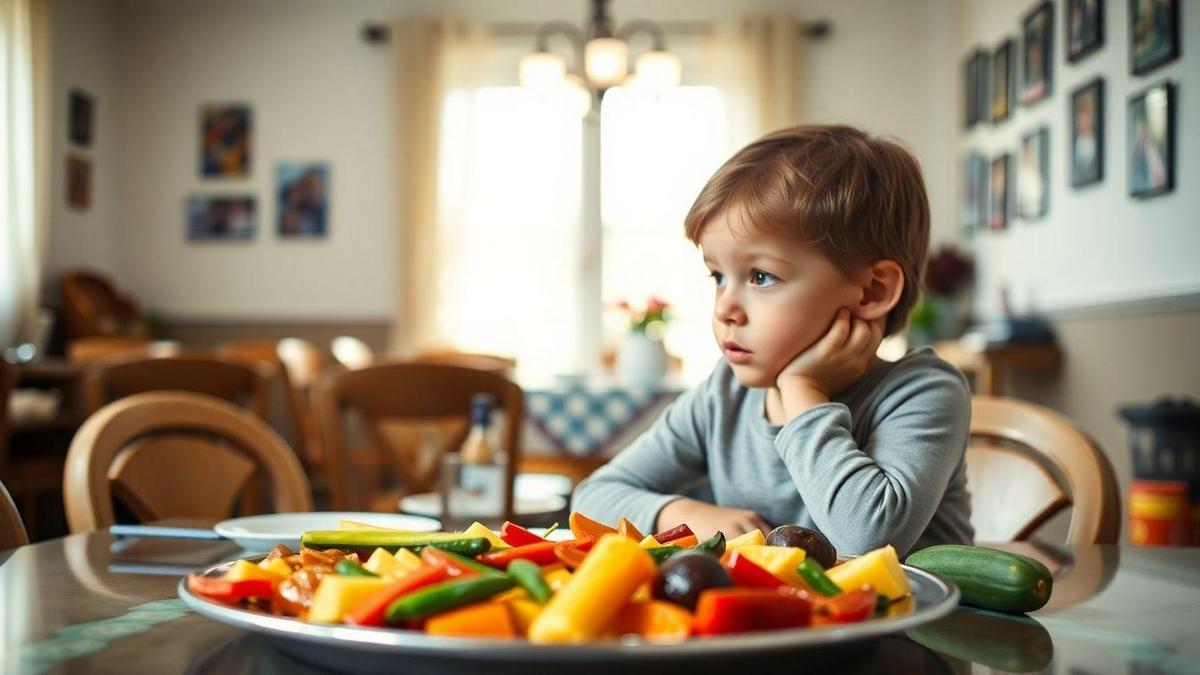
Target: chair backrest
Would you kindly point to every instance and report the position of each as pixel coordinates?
(1025, 463)
(494, 364)
(12, 530)
(415, 392)
(104, 347)
(175, 454)
(351, 352)
(302, 360)
(240, 383)
(92, 306)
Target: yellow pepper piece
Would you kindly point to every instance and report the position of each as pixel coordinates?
(606, 580)
(524, 611)
(781, 561)
(880, 569)
(336, 595)
(385, 564)
(277, 566)
(649, 542)
(751, 538)
(478, 529)
(243, 571)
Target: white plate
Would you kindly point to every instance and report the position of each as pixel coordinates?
(430, 504)
(262, 533)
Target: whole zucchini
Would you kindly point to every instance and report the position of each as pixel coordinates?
(989, 578)
(367, 540)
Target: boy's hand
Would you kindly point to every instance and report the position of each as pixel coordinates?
(836, 361)
(705, 519)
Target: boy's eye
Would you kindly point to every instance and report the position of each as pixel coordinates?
(761, 278)
(718, 278)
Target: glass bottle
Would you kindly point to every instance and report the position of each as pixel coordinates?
(474, 479)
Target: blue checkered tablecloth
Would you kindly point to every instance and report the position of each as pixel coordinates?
(582, 421)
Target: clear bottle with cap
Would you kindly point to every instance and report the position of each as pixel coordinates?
(474, 479)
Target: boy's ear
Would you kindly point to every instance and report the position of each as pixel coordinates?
(881, 284)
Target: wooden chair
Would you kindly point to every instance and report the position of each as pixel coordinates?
(302, 360)
(499, 365)
(237, 382)
(264, 354)
(1025, 463)
(12, 530)
(102, 347)
(175, 454)
(92, 306)
(387, 393)
(351, 352)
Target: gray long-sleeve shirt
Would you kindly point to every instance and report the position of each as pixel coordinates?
(880, 464)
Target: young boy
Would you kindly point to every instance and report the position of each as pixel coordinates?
(816, 239)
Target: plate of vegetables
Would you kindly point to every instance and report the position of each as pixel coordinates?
(360, 598)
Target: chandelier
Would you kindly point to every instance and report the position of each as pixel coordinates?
(601, 59)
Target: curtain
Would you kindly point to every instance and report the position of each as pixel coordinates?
(24, 151)
(756, 62)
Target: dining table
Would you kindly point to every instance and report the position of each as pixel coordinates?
(96, 603)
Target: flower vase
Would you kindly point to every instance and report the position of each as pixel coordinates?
(641, 361)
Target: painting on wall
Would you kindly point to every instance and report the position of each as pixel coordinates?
(1153, 34)
(225, 141)
(998, 193)
(215, 217)
(1002, 81)
(1038, 52)
(79, 183)
(1085, 28)
(1087, 134)
(973, 200)
(1151, 141)
(1033, 175)
(81, 111)
(303, 194)
(978, 103)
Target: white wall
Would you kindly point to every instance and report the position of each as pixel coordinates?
(83, 43)
(1097, 245)
(319, 92)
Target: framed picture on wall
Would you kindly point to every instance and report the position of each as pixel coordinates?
(1037, 29)
(303, 193)
(1087, 134)
(998, 193)
(1002, 81)
(1153, 34)
(216, 217)
(1033, 175)
(225, 141)
(1085, 28)
(973, 197)
(79, 183)
(1151, 141)
(81, 108)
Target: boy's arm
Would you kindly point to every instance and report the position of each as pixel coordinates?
(645, 476)
(889, 493)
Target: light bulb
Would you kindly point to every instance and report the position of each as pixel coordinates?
(607, 61)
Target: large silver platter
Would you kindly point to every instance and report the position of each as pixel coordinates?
(357, 649)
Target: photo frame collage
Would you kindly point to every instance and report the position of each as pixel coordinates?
(1017, 182)
(301, 187)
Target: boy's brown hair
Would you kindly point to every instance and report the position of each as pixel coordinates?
(856, 199)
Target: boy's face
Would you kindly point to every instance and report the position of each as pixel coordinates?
(774, 299)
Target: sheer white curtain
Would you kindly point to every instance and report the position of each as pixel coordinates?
(24, 118)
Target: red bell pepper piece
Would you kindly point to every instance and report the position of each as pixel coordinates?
(436, 557)
(677, 532)
(572, 552)
(371, 611)
(223, 590)
(722, 611)
(847, 607)
(542, 554)
(514, 535)
(749, 574)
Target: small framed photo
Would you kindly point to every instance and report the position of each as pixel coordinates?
(79, 183)
(216, 217)
(1153, 34)
(1002, 81)
(973, 200)
(81, 110)
(1151, 141)
(1087, 134)
(303, 193)
(975, 85)
(1038, 52)
(225, 141)
(1085, 28)
(1033, 175)
(998, 194)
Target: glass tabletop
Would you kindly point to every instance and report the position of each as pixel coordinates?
(93, 603)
